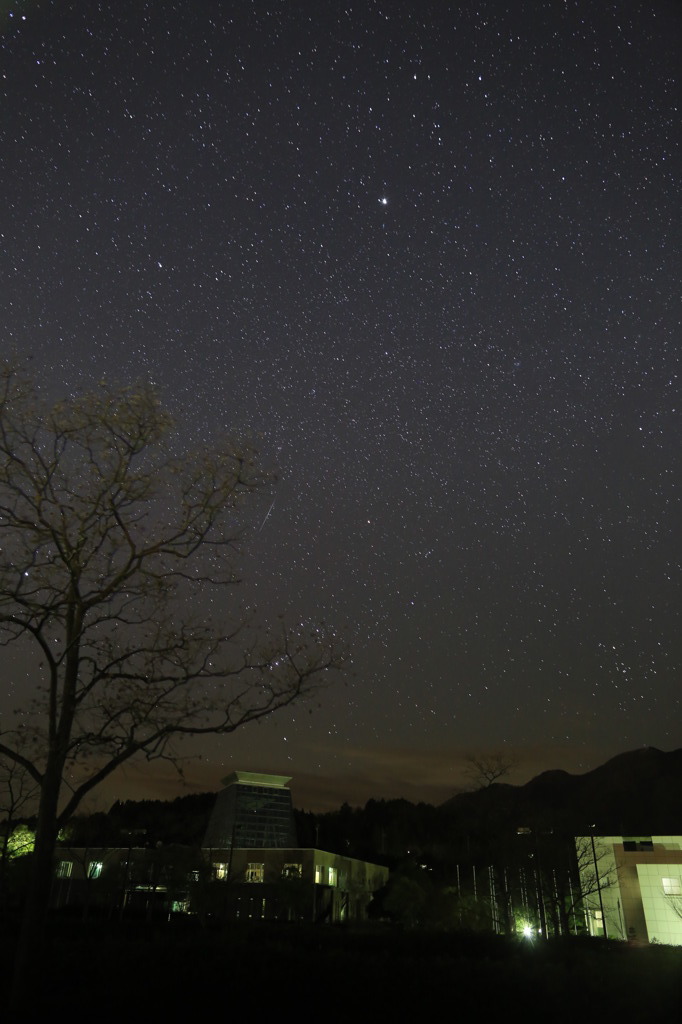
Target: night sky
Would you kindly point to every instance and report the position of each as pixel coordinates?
(428, 254)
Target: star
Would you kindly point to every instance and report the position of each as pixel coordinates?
(425, 374)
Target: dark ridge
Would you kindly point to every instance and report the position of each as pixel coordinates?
(636, 792)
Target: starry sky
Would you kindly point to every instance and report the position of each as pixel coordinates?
(428, 254)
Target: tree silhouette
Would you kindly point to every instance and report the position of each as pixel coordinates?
(484, 769)
(106, 538)
(17, 794)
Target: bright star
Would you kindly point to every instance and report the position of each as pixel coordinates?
(384, 201)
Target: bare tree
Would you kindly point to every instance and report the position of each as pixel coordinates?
(108, 540)
(483, 769)
(596, 874)
(18, 791)
(549, 879)
(673, 896)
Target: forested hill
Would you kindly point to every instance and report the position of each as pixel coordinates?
(147, 822)
(639, 792)
(636, 792)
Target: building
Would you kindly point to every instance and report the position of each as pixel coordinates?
(293, 884)
(124, 880)
(252, 810)
(259, 870)
(249, 867)
(633, 887)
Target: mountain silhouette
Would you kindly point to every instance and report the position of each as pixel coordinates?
(638, 792)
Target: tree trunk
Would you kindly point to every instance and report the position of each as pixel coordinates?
(32, 932)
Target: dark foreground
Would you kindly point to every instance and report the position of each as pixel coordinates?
(113, 970)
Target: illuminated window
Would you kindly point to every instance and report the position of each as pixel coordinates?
(292, 871)
(672, 886)
(64, 869)
(255, 873)
(333, 876)
(95, 868)
(318, 874)
(220, 871)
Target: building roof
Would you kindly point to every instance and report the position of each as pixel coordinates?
(257, 779)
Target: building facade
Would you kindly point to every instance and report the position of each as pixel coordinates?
(252, 810)
(633, 887)
(293, 884)
(249, 867)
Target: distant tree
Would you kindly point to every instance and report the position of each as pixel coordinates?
(483, 769)
(91, 830)
(20, 842)
(18, 791)
(406, 899)
(106, 535)
(596, 873)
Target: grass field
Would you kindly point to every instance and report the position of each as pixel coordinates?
(180, 969)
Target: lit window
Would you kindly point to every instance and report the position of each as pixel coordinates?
(672, 886)
(318, 874)
(64, 869)
(333, 876)
(255, 873)
(95, 868)
(220, 871)
(292, 871)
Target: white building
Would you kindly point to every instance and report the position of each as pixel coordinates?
(633, 887)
